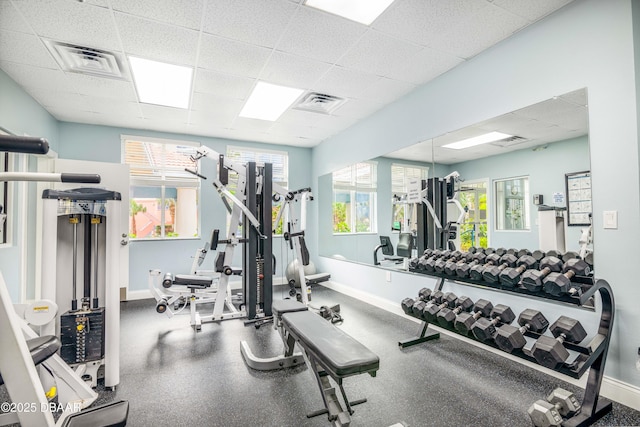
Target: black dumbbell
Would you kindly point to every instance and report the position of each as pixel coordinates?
(500, 251)
(509, 338)
(451, 266)
(485, 329)
(532, 279)
(523, 252)
(475, 272)
(560, 403)
(550, 352)
(441, 262)
(569, 255)
(419, 305)
(430, 312)
(407, 303)
(464, 321)
(557, 284)
(491, 274)
(554, 253)
(511, 276)
(430, 263)
(588, 258)
(488, 251)
(538, 255)
(447, 316)
(462, 270)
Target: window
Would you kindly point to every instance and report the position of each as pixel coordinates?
(473, 231)
(279, 161)
(163, 196)
(512, 204)
(354, 199)
(405, 215)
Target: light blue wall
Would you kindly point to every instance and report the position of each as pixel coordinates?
(21, 115)
(588, 43)
(103, 143)
(545, 169)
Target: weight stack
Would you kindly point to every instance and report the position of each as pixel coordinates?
(82, 336)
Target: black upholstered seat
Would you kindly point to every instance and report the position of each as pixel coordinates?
(339, 353)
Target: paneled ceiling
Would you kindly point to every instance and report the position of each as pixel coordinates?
(234, 43)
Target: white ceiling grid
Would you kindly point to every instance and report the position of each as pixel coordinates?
(233, 43)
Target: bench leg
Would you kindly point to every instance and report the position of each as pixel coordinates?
(336, 415)
(270, 363)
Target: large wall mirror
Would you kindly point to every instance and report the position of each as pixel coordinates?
(507, 187)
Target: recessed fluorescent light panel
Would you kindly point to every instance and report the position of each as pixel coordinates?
(161, 83)
(363, 11)
(269, 101)
(477, 140)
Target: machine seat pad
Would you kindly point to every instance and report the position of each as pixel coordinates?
(192, 279)
(279, 307)
(41, 348)
(334, 349)
(112, 414)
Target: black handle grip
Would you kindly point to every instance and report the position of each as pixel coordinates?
(191, 171)
(86, 178)
(23, 144)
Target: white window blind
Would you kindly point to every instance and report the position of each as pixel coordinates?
(279, 160)
(359, 176)
(402, 174)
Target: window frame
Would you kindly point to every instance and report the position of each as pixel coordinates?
(500, 201)
(163, 183)
(354, 188)
(276, 206)
(397, 194)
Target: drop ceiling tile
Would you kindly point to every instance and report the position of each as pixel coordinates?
(160, 113)
(357, 108)
(232, 57)
(420, 21)
(245, 124)
(344, 82)
(487, 27)
(165, 126)
(424, 66)
(319, 35)
(578, 97)
(69, 114)
(177, 12)
(114, 107)
(386, 90)
(54, 99)
(206, 130)
(99, 3)
(103, 87)
(25, 49)
(299, 117)
(293, 71)
(37, 77)
(223, 85)
(377, 53)
(207, 119)
(531, 10)
(252, 21)
(208, 103)
(11, 20)
(160, 42)
(545, 109)
(71, 22)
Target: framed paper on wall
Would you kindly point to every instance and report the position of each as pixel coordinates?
(578, 185)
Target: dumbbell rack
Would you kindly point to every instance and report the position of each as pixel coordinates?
(590, 356)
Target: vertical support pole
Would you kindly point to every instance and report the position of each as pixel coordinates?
(422, 233)
(267, 243)
(112, 293)
(250, 268)
(49, 262)
(87, 257)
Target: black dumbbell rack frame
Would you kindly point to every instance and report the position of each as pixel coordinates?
(590, 356)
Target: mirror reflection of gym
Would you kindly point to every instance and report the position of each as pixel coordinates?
(547, 140)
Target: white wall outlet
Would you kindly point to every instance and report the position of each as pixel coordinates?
(610, 219)
(388, 276)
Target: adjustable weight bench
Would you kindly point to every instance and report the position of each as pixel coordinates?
(330, 353)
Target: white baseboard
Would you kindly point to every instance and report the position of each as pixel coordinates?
(611, 388)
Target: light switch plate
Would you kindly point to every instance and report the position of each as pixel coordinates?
(610, 219)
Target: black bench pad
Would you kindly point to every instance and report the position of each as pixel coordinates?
(279, 307)
(334, 349)
(192, 279)
(41, 348)
(112, 414)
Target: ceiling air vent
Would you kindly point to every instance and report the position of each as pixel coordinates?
(319, 103)
(512, 140)
(86, 60)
